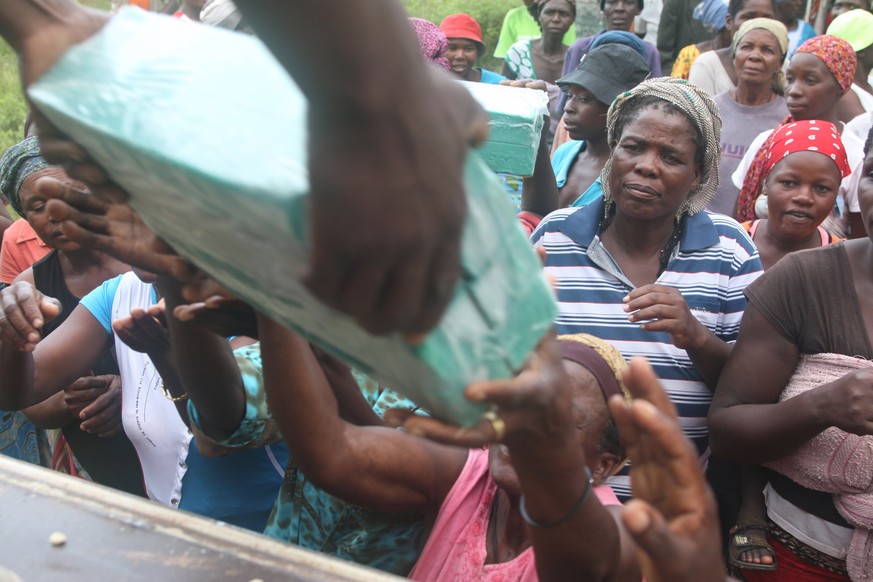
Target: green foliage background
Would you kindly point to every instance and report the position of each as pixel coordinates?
(12, 107)
(489, 14)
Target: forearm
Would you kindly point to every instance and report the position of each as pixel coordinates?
(540, 192)
(709, 357)
(553, 479)
(758, 433)
(330, 48)
(302, 403)
(204, 366)
(171, 384)
(22, 18)
(17, 380)
(51, 413)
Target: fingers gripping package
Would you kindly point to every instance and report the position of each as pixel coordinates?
(207, 133)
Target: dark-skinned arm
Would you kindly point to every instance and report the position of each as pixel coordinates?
(193, 327)
(404, 267)
(747, 422)
(540, 192)
(393, 471)
(35, 369)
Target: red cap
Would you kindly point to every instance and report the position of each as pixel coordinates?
(462, 26)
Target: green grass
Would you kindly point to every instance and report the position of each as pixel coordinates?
(12, 107)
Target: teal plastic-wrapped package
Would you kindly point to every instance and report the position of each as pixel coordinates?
(208, 134)
(516, 117)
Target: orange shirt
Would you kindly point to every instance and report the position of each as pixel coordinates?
(21, 248)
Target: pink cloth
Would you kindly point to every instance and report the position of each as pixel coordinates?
(835, 461)
(456, 549)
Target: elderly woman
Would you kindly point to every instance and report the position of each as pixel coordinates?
(542, 58)
(714, 71)
(819, 74)
(810, 357)
(644, 268)
(758, 49)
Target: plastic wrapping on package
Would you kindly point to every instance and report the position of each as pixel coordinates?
(207, 133)
(516, 120)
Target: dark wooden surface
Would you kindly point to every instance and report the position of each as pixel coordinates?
(112, 536)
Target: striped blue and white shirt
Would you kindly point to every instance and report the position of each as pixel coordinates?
(712, 264)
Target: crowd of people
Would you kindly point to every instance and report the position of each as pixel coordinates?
(704, 406)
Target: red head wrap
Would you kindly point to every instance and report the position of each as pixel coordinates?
(807, 136)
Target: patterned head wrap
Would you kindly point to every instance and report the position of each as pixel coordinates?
(18, 162)
(703, 113)
(431, 41)
(807, 136)
(840, 59)
(837, 55)
(712, 14)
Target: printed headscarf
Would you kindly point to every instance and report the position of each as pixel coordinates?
(431, 41)
(18, 162)
(699, 107)
(837, 55)
(807, 136)
(840, 59)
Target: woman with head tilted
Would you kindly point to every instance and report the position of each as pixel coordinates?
(820, 72)
(643, 267)
(756, 104)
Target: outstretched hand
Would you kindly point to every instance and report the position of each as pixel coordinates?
(143, 330)
(673, 516)
(24, 311)
(533, 407)
(110, 227)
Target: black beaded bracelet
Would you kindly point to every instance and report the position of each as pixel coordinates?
(573, 510)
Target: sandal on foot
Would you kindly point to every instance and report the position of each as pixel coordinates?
(741, 542)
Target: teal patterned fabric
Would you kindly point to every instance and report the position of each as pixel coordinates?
(21, 440)
(311, 518)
